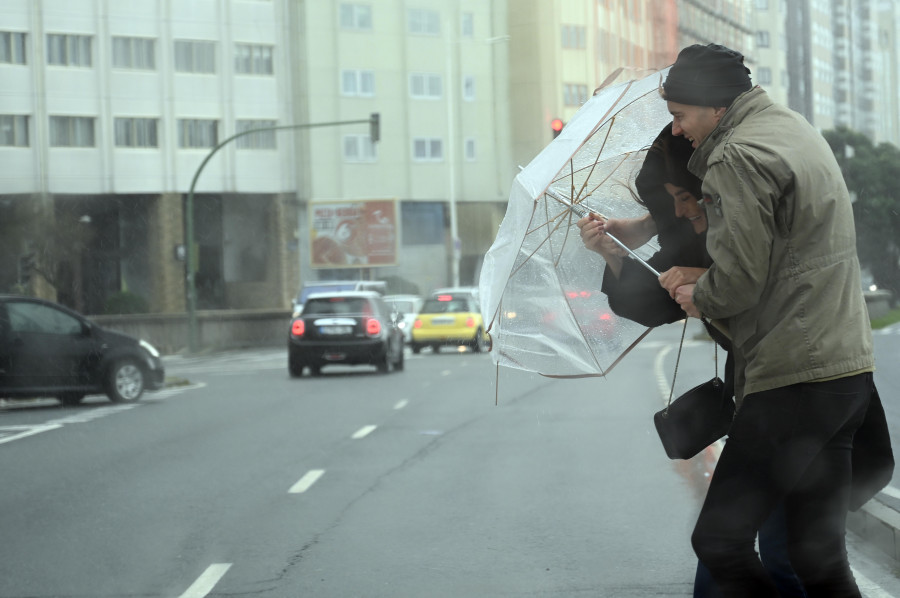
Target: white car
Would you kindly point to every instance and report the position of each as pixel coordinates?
(408, 306)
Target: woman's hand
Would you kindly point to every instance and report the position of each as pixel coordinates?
(594, 238)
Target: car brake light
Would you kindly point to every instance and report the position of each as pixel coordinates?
(470, 322)
(605, 316)
(373, 327)
(298, 328)
(417, 323)
(445, 297)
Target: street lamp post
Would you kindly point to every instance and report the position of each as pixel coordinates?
(374, 123)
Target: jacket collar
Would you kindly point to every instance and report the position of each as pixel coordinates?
(750, 102)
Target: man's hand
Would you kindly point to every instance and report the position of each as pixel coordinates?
(684, 295)
(679, 275)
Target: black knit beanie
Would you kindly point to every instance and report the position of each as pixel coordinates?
(710, 75)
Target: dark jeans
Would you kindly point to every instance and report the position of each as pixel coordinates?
(790, 444)
(773, 551)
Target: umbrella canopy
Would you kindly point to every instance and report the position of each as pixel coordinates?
(539, 286)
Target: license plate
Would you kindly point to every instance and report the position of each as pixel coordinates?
(335, 330)
(443, 320)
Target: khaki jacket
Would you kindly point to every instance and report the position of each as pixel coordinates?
(781, 233)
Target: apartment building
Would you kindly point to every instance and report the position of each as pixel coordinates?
(113, 106)
(436, 71)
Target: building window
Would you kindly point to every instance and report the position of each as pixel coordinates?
(422, 222)
(134, 53)
(13, 130)
(470, 149)
(422, 21)
(468, 87)
(71, 131)
(195, 132)
(764, 75)
(69, 50)
(574, 37)
(12, 47)
(359, 148)
(762, 39)
(428, 149)
(574, 94)
(425, 85)
(251, 59)
(358, 83)
(258, 139)
(467, 24)
(136, 132)
(195, 56)
(356, 16)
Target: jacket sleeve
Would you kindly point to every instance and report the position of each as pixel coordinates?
(740, 203)
(637, 295)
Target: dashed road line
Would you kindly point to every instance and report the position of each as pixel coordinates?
(401, 404)
(306, 482)
(363, 432)
(207, 581)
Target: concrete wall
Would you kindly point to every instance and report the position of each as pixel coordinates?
(216, 329)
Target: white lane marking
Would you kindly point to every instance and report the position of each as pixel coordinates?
(363, 432)
(24, 431)
(891, 491)
(207, 581)
(401, 404)
(310, 478)
(869, 588)
(446, 373)
(661, 379)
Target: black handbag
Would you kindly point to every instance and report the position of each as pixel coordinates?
(695, 419)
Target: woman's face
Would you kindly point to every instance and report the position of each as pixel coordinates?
(688, 206)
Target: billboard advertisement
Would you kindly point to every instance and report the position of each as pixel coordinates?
(353, 233)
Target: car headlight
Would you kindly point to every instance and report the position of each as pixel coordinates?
(149, 348)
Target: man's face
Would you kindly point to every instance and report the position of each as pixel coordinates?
(694, 122)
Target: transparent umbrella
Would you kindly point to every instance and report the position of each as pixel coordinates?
(539, 286)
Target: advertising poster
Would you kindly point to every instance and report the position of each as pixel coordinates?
(353, 233)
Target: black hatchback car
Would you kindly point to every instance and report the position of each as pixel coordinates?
(349, 328)
(47, 350)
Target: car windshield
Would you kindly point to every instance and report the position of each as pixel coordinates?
(403, 306)
(337, 306)
(443, 306)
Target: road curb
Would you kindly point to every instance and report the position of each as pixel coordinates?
(879, 525)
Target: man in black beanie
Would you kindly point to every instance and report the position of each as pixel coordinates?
(785, 277)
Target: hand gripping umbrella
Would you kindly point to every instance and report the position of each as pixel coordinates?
(539, 286)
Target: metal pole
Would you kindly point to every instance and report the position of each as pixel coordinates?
(372, 121)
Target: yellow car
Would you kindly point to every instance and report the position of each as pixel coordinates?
(449, 319)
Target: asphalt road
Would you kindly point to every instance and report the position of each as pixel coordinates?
(447, 479)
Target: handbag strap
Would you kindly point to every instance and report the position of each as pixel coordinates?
(678, 360)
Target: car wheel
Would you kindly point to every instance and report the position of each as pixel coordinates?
(295, 368)
(384, 364)
(478, 342)
(398, 365)
(416, 348)
(125, 382)
(70, 399)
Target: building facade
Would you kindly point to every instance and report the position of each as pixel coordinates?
(115, 106)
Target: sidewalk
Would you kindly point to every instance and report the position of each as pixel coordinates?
(878, 522)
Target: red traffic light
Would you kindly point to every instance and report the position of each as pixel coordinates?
(556, 124)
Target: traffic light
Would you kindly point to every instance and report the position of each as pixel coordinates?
(375, 127)
(557, 125)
